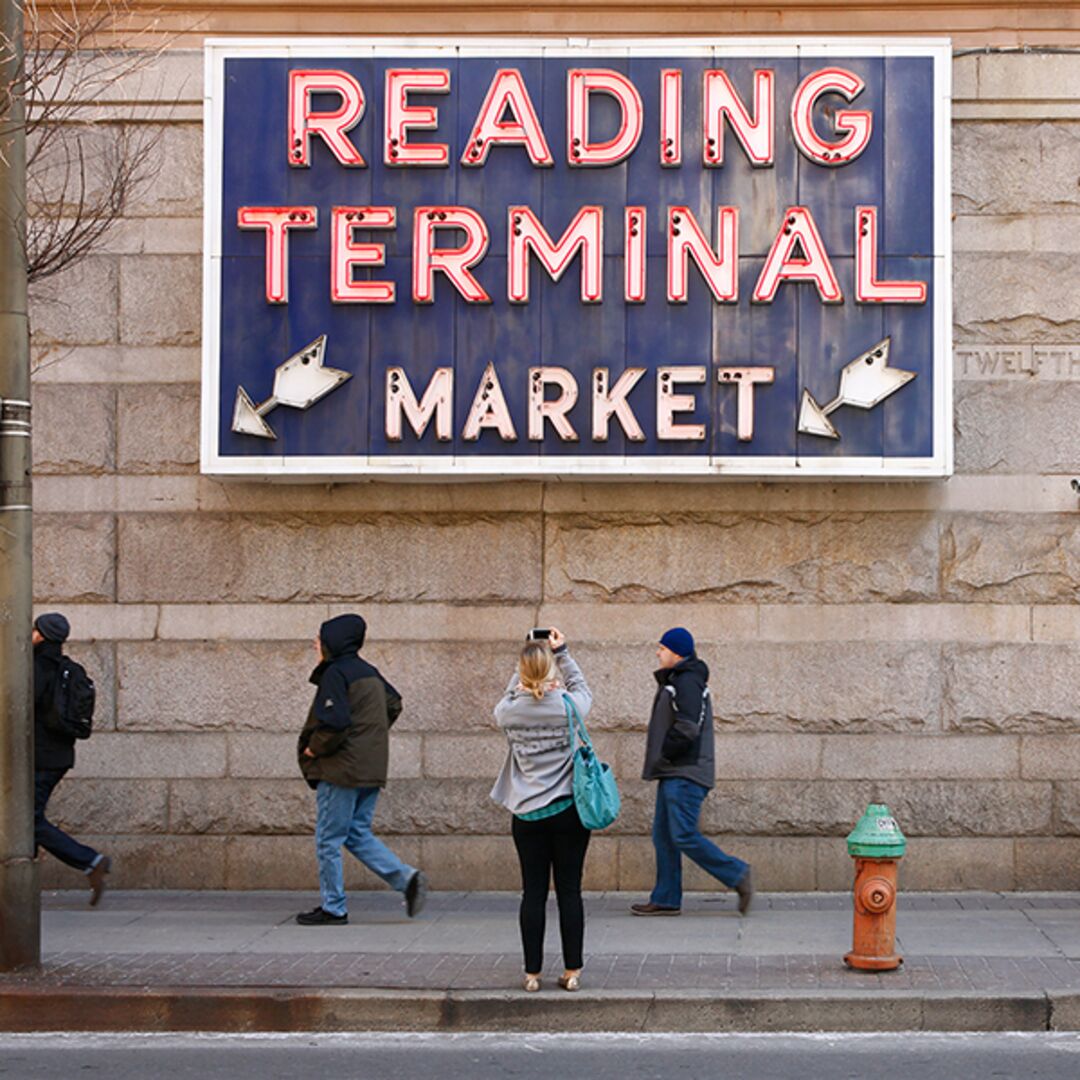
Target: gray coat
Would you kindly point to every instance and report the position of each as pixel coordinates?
(680, 742)
(539, 762)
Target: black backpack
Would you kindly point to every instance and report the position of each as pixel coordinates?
(72, 714)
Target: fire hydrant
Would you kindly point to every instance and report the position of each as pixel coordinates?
(876, 844)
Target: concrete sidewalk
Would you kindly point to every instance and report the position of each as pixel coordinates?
(237, 961)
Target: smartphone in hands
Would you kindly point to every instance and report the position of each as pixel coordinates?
(538, 633)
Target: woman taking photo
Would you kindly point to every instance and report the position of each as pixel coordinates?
(536, 786)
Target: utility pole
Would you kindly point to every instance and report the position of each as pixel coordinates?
(20, 923)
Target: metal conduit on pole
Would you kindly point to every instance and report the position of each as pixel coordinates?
(20, 933)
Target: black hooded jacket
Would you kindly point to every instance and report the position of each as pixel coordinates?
(348, 725)
(51, 749)
(680, 742)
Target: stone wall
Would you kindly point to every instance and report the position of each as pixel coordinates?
(917, 643)
(967, 22)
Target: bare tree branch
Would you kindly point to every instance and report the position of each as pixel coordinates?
(85, 165)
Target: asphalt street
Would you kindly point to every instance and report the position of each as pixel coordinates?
(904, 1056)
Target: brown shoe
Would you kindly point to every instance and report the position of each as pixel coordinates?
(97, 879)
(745, 889)
(653, 909)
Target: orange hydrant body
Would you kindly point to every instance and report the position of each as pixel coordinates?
(877, 845)
(874, 939)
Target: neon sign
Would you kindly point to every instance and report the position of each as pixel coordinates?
(540, 259)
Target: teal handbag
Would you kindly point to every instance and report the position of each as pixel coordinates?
(596, 795)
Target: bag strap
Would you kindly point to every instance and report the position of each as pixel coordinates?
(705, 697)
(704, 706)
(577, 725)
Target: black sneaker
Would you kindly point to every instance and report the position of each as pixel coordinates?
(416, 894)
(97, 879)
(321, 917)
(745, 889)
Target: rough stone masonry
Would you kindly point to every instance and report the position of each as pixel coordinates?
(915, 643)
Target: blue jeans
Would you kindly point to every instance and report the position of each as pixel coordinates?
(343, 819)
(675, 833)
(54, 840)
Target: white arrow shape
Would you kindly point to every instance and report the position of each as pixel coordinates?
(247, 420)
(812, 419)
(868, 379)
(298, 383)
(302, 380)
(865, 382)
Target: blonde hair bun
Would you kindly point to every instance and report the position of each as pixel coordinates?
(536, 668)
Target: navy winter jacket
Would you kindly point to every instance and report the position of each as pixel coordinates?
(348, 724)
(680, 742)
(51, 749)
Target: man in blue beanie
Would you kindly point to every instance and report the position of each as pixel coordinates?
(679, 753)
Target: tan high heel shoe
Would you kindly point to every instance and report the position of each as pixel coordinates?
(532, 983)
(571, 980)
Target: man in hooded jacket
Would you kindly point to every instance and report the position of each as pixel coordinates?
(680, 755)
(344, 750)
(54, 754)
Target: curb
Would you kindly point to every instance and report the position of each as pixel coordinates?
(259, 1009)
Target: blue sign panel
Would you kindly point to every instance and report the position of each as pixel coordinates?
(534, 258)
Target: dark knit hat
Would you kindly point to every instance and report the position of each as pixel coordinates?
(679, 640)
(52, 626)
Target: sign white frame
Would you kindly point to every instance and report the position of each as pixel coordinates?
(450, 466)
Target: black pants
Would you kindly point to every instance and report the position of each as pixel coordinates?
(558, 844)
(54, 840)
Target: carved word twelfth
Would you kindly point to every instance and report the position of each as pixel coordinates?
(1045, 362)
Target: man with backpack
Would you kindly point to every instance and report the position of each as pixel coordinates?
(679, 754)
(63, 711)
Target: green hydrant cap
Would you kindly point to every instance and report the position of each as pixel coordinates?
(877, 836)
